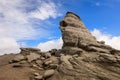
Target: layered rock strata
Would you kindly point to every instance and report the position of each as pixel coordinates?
(76, 37)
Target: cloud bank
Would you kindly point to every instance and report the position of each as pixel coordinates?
(9, 45)
(52, 44)
(16, 20)
(114, 41)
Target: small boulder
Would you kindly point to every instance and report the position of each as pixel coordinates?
(36, 74)
(48, 62)
(39, 77)
(42, 58)
(18, 58)
(53, 66)
(46, 55)
(102, 42)
(23, 62)
(39, 63)
(51, 60)
(53, 51)
(48, 73)
(32, 56)
(58, 52)
(17, 65)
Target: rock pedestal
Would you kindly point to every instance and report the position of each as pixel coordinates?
(74, 32)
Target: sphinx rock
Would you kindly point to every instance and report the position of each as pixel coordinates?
(77, 38)
(74, 32)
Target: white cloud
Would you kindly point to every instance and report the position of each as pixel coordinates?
(8, 45)
(114, 41)
(52, 44)
(45, 11)
(17, 20)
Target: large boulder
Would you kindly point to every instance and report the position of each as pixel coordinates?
(27, 51)
(31, 54)
(17, 58)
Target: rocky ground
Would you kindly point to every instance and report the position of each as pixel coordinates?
(82, 57)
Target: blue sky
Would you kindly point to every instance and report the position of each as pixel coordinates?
(100, 14)
(35, 23)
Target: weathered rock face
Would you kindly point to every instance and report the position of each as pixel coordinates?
(74, 32)
(77, 38)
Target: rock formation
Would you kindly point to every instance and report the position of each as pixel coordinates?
(82, 57)
(76, 37)
(74, 32)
